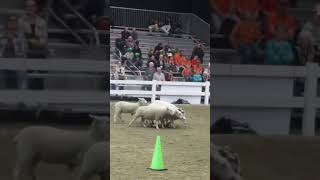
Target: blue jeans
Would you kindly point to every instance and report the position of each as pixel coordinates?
(250, 53)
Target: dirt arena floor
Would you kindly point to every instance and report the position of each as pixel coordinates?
(43, 171)
(185, 149)
(275, 157)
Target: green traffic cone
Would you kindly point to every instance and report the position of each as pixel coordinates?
(157, 161)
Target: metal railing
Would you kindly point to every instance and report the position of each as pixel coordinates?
(141, 18)
(94, 30)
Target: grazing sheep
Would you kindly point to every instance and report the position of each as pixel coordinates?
(95, 162)
(55, 146)
(225, 165)
(127, 107)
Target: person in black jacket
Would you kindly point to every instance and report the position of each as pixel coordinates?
(198, 51)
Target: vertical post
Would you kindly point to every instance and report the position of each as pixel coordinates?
(310, 99)
(154, 91)
(207, 91)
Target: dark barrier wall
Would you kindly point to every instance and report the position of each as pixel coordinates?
(187, 6)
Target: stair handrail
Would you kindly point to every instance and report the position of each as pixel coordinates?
(93, 29)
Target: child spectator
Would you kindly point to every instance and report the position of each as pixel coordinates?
(198, 68)
(279, 50)
(206, 73)
(187, 73)
(245, 37)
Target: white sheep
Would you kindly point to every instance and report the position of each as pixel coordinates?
(55, 146)
(169, 119)
(96, 162)
(156, 112)
(127, 107)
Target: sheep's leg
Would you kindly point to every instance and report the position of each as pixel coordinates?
(134, 118)
(25, 164)
(172, 124)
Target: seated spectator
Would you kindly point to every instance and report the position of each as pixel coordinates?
(11, 47)
(166, 27)
(159, 75)
(168, 75)
(198, 51)
(130, 42)
(149, 71)
(137, 61)
(194, 61)
(136, 49)
(121, 71)
(125, 33)
(245, 37)
(206, 73)
(129, 55)
(120, 45)
(197, 68)
(279, 50)
(167, 49)
(197, 77)
(309, 38)
(152, 59)
(187, 73)
(281, 17)
(158, 48)
(33, 30)
(134, 34)
(154, 26)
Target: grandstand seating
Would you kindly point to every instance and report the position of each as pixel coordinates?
(229, 56)
(147, 40)
(76, 73)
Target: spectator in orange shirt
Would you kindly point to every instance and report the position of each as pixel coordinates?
(246, 37)
(198, 68)
(281, 17)
(178, 59)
